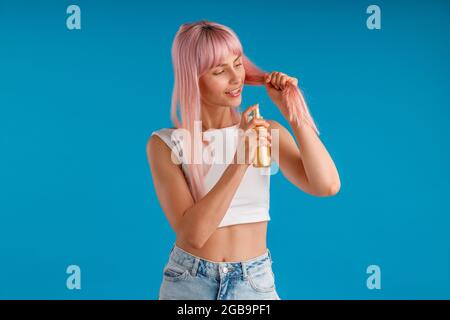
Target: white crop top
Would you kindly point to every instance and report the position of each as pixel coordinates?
(251, 200)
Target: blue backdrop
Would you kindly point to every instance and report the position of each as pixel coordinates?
(77, 107)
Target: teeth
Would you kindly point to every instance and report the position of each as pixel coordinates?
(234, 91)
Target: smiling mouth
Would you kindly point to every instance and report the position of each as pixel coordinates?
(234, 93)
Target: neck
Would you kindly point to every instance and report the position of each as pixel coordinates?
(214, 117)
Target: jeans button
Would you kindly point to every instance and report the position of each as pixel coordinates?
(224, 269)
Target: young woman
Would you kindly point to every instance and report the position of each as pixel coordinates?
(219, 210)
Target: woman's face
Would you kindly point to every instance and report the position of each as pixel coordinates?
(222, 85)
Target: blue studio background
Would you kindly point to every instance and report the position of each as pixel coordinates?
(77, 108)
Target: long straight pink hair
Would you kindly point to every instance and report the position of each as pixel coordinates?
(198, 47)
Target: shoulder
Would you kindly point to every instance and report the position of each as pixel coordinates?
(157, 139)
(276, 125)
(160, 144)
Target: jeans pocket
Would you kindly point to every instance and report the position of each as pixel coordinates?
(262, 280)
(174, 272)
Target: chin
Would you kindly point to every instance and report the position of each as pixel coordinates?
(233, 103)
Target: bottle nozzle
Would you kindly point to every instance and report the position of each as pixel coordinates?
(256, 113)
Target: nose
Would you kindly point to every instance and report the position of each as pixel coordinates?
(235, 78)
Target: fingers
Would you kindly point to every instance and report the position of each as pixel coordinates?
(273, 78)
(265, 141)
(264, 137)
(270, 79)
(279, 80)
(283, 81)
(294, 81)
(246, 113)
(250, 137)
(257, 122)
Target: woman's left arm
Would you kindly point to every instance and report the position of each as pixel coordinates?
(305, 161)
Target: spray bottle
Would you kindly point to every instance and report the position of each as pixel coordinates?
(263, 153)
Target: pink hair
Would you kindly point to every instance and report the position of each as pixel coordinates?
(198, 47)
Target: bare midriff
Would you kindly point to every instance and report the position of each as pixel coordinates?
(233, 243)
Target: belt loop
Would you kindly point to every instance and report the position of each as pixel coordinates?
(195, 267)
(244, 271)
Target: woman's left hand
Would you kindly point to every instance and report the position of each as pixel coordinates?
(275, 83)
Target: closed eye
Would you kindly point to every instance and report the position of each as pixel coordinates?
(238, 65)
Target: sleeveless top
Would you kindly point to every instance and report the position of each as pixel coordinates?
(251, 200)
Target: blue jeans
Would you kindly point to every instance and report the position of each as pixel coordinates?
(188, 277)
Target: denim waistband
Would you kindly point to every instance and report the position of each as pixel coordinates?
(197, 265)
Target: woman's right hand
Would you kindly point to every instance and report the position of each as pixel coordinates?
(247, 138)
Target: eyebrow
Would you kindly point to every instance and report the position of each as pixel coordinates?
(224, 64)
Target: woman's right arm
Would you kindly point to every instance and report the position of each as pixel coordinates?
(193, 222)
